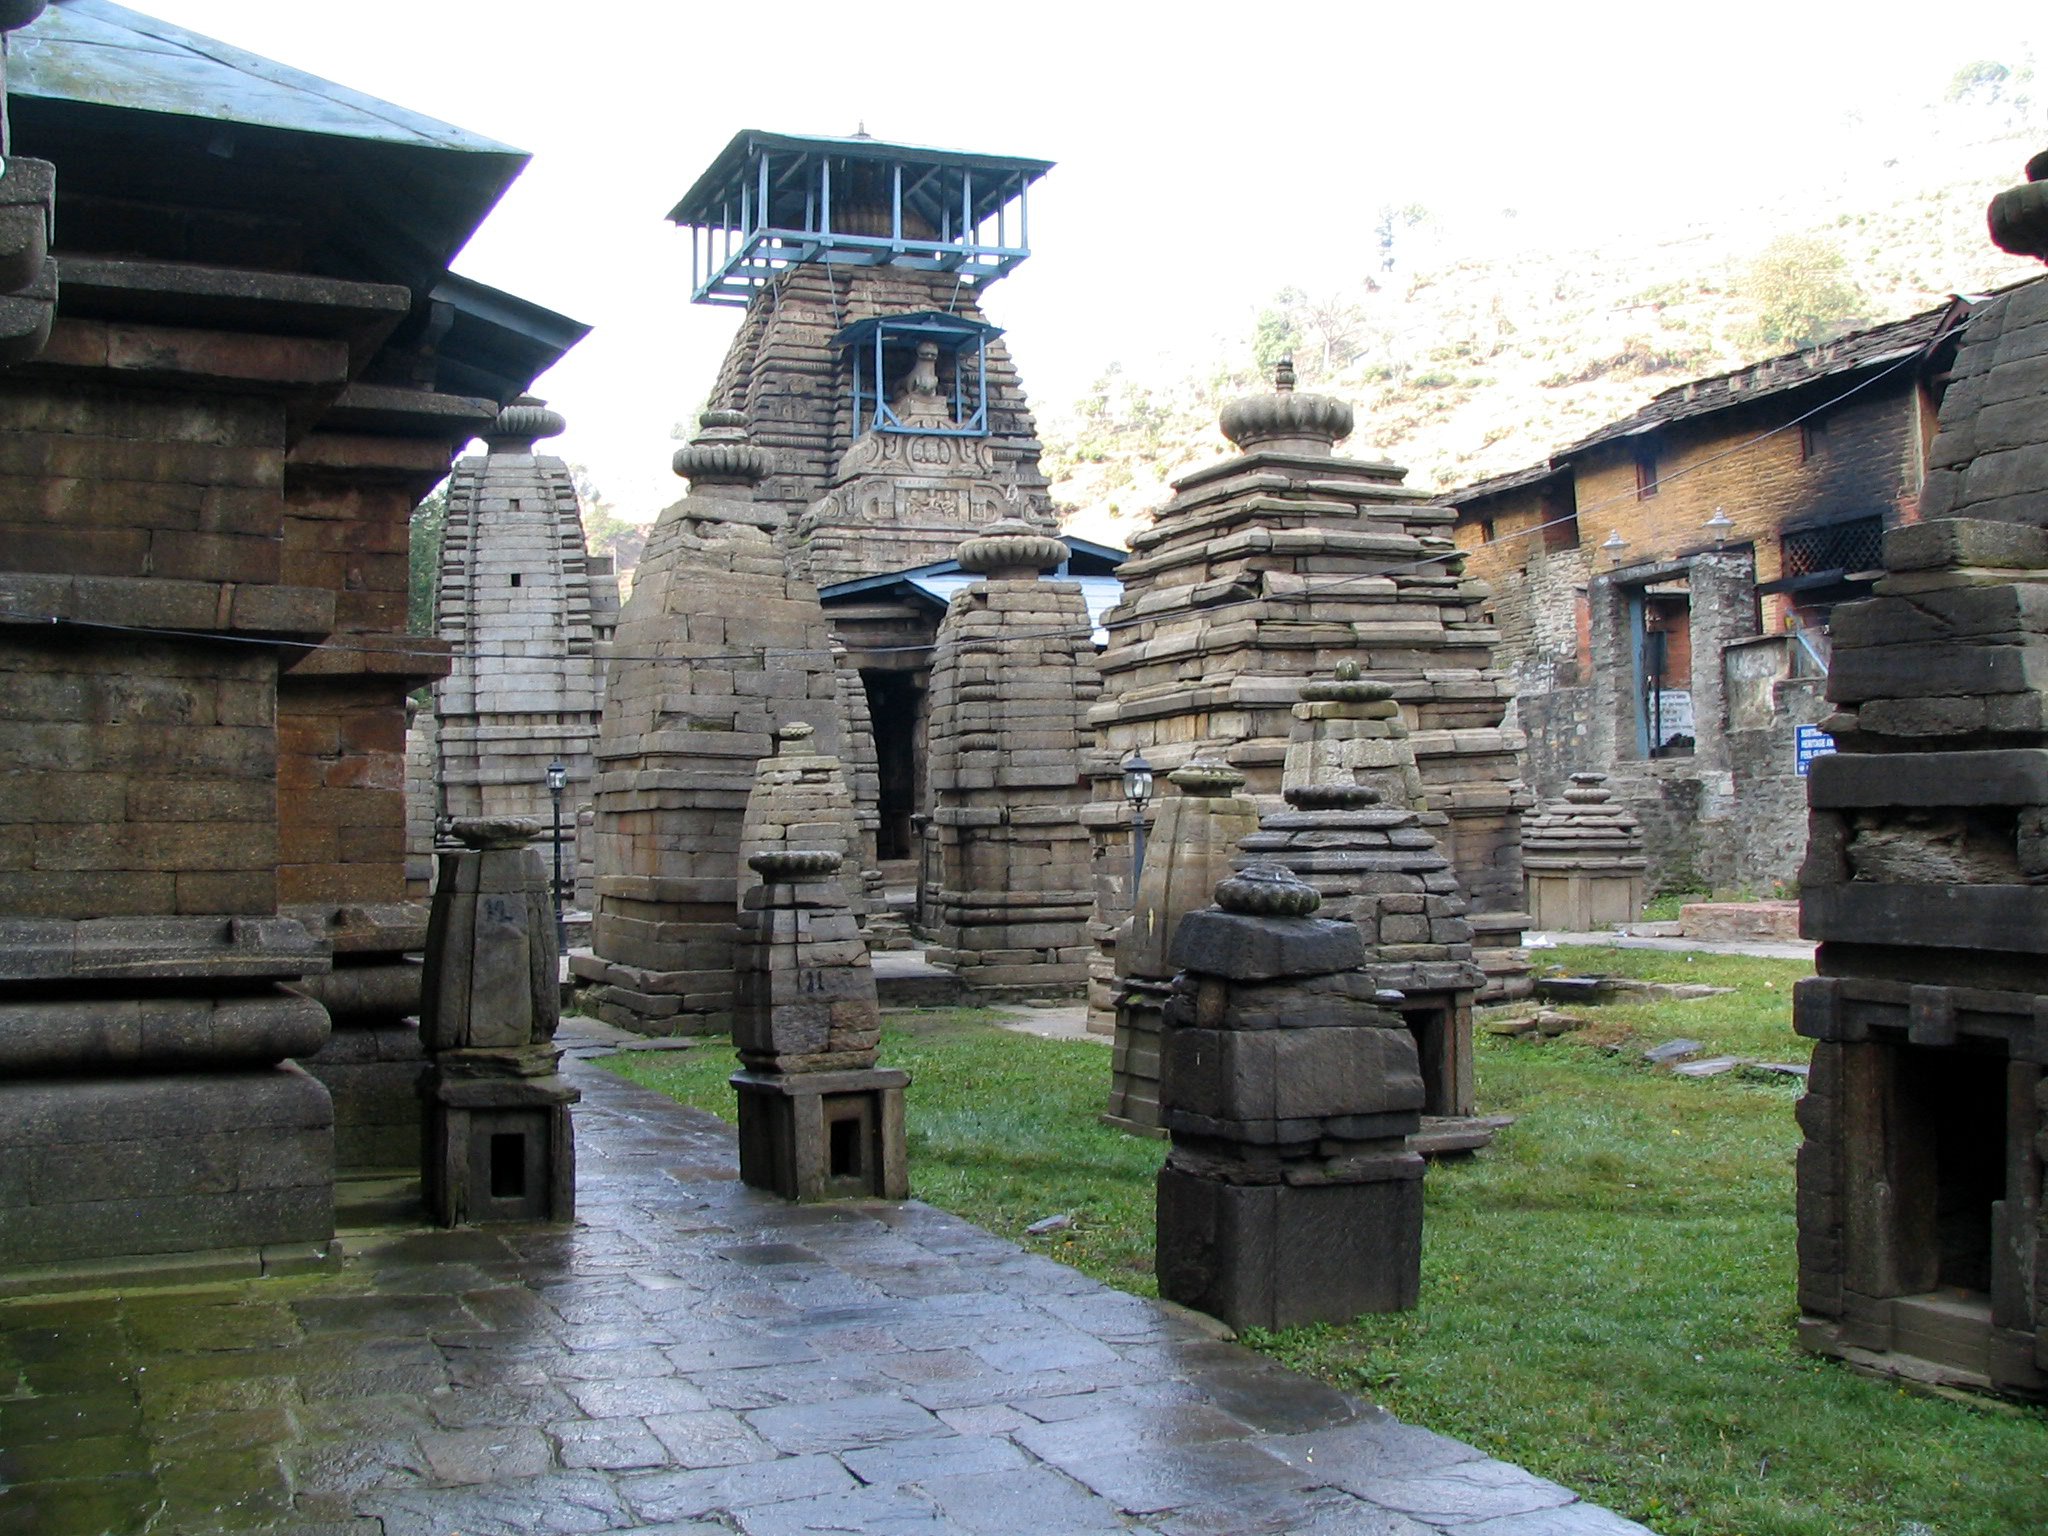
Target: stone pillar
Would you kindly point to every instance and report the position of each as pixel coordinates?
(1290, 1195)
(1192, 846)
(1379, 868)
(718, 645)
(1583, 858)
(818, 1120)
(1923, 1249)
(499, 1144)
(1012, 679)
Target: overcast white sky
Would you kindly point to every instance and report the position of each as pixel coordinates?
(1208, 154)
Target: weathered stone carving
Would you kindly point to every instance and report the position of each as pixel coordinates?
(817, 1118)
(1922, 1249)
(499, 1142)
(1192, 847)
(1583, 857)
(1270, 568)
(1290, 1195)
(1012, 679)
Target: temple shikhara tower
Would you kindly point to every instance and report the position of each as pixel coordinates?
(523, 606)
(890, 415)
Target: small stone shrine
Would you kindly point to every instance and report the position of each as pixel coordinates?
(524, 607)
(1012, 680)
(1193, 845)
(718, 645)
(1376, 866)
(1290, 1195)
(1921, 1243)
(1269, 568)
(800, 799)
(499, 1145)
(1583, 858)
(818, 1120)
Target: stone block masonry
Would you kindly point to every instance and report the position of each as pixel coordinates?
(1013, 677)
(1290, 1195)
(718, 647)
(1270, 568)
(1923, 1235)
(524, 613)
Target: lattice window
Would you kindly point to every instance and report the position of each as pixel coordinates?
(1851, 546)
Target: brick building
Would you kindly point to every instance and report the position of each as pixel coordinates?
(1663, 586)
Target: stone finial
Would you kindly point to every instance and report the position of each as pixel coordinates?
(792, 736)
(1586, 789)
(494, 831)
(2018, 216)
(1267, 890)
(1331, 797)
(1346, 685)
(521, 424)
(721, 453)
(1286, 421)
(1206, 776)
(1011, 547)
(783, 865)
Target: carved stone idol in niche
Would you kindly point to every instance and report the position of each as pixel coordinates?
(917, 402)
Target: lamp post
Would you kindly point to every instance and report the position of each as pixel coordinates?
(1614, 544)
(1137, 790)
(1719, 525)
(558, 779)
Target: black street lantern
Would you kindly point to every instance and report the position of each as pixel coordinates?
(1137, 790)
(558, 780)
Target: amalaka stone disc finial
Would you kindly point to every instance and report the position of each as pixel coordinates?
(1012, 547)
(521, 424)
(1204, 777)
(1345, 685)
(1285, 421)
(793, 736)
(494, 831)
(2019, 215)
(1267, 890)
(1331, 797)
(779, 866)
(721, 453)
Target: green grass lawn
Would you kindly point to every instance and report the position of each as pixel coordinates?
(1607, 1292)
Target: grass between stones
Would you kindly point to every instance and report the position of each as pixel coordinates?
(1607, 1293)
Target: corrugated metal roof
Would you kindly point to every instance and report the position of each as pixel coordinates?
(95, 52)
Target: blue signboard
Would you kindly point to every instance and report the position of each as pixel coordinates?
(1809, 742)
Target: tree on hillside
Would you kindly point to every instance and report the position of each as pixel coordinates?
(423, 553)
(1322, 334)
(1388, 224)
(1799, 294)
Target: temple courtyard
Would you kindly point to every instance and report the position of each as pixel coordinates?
(694, 1356)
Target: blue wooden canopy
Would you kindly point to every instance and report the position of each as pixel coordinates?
(771, 201)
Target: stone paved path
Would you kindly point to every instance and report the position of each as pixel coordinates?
(696, 1358)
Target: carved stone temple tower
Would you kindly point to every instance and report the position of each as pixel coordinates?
(523, 606)
(891, 415)
(1270, 568)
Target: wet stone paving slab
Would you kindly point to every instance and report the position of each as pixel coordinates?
(696, 1357)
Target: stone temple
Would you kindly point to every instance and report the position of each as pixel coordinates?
(524, 607)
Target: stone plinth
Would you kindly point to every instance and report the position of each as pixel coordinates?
(1377, 867)
(1583, 858)
(148, 1103)
(522, 606)
(1270, 568)
(1192, 846)
(499, 1144)
(1922, 1248)
(372, 1062)
(818, 1119)
(717, 646)
(1290, 1195)
(1012, 679)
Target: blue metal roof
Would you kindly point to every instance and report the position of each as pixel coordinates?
(956, 329)
(97, 52)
